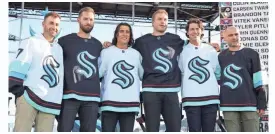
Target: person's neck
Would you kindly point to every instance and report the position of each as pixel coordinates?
(83, 34)
(121, 46)
(157, 33)
(48, 37)
(236, 48)
(195, 42)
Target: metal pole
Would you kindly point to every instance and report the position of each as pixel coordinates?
(71, 7)
(104, 22)
(209, 34)
(175, 17)
(21, 22)
(133, 13)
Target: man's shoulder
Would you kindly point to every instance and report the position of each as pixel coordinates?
(144, 37)
(107, 50)
(134, 51)
(96, 41)
(68, 36)
(172, 35)
(209, 47)
(250, 52)
(223, 52)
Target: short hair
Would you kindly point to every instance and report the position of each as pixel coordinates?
(196, 21)
(53, 14)
(86, 9)
(131, 40)
(229, 27)
(158, 11)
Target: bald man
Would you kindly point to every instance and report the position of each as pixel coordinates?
(242, 96)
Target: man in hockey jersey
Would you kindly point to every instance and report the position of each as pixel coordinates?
(242, 94)
(82, 85)
(36, 78)
(199, 67)
(121, 83)
(161, 79)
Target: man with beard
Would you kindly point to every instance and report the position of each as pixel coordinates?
(242, 96)
(81, 82)
(36, 79)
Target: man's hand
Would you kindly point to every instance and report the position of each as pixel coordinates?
(216, 46)
(107, 44)
(260, 112)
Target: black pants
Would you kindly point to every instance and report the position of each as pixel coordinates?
(87, 111)
(109, 120)
(201, 118)
(167, 104)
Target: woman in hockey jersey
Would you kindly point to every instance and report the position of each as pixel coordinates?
(199, 67)
(242, 95)
(36, 79)
(121, 71)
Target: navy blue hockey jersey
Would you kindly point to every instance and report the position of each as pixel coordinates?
(81, 67)
(160, 55)
(241, 81)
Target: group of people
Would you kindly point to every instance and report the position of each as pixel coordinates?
(61, 77)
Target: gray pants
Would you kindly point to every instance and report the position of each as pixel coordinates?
(241, 121)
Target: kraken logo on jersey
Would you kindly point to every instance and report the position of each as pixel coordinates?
(49, 66)
(163, 57)
(87, 68)
(229, 72)
(201, 74)
(121, 69)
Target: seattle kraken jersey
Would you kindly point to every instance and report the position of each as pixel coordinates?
(122, 71)
(200, 70)
(39, 68)
(81, 67)
(241, 81)
(160, 54)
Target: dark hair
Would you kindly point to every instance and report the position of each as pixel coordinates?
(131, 40)
(197, 21)
(53, 14)
(86, 9)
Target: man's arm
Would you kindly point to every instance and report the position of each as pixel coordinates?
(19, 68)
(180, 64)
(258, 83)
(61, 42)
(102, 64)
(140, 68)
(136, 45)
(219, 61)
(216, 46)
(106, 44)
(217, 67)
